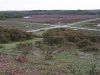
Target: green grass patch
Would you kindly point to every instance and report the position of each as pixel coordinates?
(86, 25)
(9, 48)
(70, 58)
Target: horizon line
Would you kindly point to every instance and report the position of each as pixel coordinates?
(48, 9)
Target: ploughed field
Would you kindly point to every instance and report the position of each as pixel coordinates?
(52, 19)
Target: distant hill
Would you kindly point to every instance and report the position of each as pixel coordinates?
(18, 14)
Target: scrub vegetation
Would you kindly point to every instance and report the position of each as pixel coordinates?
(58, 51)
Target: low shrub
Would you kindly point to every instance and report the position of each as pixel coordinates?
(84, 43)
(48, 55)
(21, 58)
(92, 71)
(14, 71)
(90, 49)
(4, 37)
(38, 42)
(95, 38)
(1, 46)
(24, 47)
(8, 66)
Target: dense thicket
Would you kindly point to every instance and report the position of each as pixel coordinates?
(58, 36)
(17, 14)
(7, 35)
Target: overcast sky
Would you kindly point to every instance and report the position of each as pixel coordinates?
(48, 4)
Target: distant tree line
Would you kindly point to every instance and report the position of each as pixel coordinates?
(18, 14)
(5, 15)
(66, 12)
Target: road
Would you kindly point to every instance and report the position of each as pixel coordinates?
(66, 26)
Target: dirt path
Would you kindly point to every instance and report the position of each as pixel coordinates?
(66, 26)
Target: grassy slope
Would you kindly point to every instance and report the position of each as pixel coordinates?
(60, 60)
(10, 51)
(9, 47)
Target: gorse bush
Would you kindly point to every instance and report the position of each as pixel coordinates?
(16, 35)
(61, 35)
(53, 36)
(7, 35)
(21, 58)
